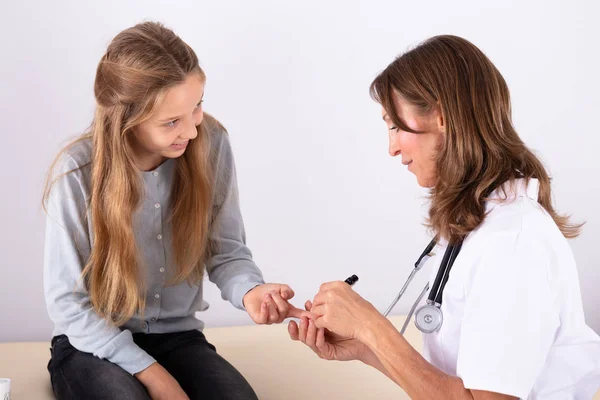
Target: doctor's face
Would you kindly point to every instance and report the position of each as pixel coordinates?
(418, 151)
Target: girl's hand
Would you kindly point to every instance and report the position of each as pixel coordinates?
(268, 304)
(160, 384)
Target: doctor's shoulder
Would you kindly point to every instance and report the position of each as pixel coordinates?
(519, 234)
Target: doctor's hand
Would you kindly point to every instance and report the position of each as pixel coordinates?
(268, 304)
(328, 345)
(344, 312)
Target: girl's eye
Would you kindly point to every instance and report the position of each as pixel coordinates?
(171, 124)
(199, 104)
(393, 128)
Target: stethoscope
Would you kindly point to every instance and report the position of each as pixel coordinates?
(429, 317)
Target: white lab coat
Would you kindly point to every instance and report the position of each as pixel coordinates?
(513, 317)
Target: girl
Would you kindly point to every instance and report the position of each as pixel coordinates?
(504, 317)
(137, 209)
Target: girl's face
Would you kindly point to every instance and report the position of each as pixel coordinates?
(171, 127)
(418, 150)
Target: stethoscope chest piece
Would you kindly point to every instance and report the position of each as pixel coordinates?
(428, 318)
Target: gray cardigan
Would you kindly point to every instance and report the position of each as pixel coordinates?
(168, 308)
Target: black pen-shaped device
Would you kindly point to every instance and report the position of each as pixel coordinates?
(351, 280)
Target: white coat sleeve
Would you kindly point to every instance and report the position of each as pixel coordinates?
(510, 315)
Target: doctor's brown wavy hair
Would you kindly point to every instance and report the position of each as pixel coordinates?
(139, 66)
(481, 149)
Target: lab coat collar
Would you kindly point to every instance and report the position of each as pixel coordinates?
(512, 190)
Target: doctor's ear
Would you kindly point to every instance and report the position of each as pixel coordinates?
(440, 120)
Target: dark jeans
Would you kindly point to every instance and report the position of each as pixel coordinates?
(193, 362)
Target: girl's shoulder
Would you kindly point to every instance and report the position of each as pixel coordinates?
(70, 173)
(75, 156)
(217, 134)
(220, 148)
(213, 126)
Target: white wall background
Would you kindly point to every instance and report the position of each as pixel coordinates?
(321, 197)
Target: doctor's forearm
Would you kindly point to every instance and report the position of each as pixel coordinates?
(405, 366)
(372, 361)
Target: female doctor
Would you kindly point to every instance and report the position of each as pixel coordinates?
(503, 318)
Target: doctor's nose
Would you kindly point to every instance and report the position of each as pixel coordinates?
(394, 145)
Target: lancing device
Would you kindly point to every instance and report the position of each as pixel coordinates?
(351, 280)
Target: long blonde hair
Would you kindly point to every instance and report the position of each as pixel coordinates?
(139, 66)
(481, 149)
